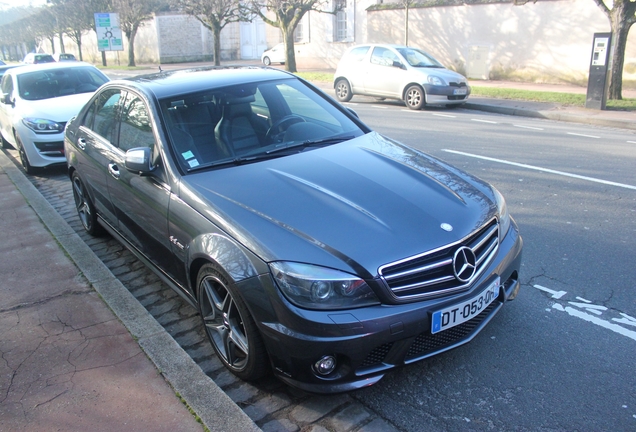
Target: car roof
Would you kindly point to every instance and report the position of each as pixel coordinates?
(183, 81)
(49, 66)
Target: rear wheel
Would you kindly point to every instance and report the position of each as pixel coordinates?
(229, 325)
(85, 208)
(343, 90)
(414, 97)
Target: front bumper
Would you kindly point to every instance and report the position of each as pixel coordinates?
(368, 342)
(446, 95)
(42, 149)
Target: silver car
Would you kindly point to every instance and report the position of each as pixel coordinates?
(398, 72)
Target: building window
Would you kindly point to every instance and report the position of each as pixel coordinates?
(299, 33)
(340, 21)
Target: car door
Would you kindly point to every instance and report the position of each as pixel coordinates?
(140, 201)
(95, 136)
(384, 76)
(6, 108)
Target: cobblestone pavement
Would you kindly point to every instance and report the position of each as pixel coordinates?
(272, 405)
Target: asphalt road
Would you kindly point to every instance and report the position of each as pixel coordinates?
(562, 355)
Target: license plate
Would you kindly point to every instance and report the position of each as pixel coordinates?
(458, 92)
(462, 312)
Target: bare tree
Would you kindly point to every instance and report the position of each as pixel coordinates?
(214, 15)
(288, 14)
(79, 16)
(132, 15)
(622, 15)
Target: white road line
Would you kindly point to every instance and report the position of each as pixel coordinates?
(594, 320)
(444, 115)
(555, 294)
(409, 110)
(547, 170)
(528, 127)
(583, 135)
(378, 106)
(632, 142)
(484, 121)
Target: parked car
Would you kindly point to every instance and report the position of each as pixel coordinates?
(274, 55)
(36, 103)
(308, 242)
(59, 57)
(398, 72)
(35, 58)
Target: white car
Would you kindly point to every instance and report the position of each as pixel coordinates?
(274, 55)
(35, 104)
(398, 72)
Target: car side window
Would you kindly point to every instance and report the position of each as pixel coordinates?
(105, 123)
(7, 85)
(383, 57)
(135, 129)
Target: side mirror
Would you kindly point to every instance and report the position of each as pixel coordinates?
(398, 65)
(138, 160)
(352, 112)
(6, 99)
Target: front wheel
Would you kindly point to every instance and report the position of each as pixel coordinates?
(24, 159)
(414, 97)
(229, 325)
(343, 90)
(267, 61)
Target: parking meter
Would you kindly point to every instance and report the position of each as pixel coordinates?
(597, 82)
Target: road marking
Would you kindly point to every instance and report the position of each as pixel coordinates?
(632, 142)
(528, 127)
(444, 115)
(555, 294)
(625, 320)
(583, 135)
(379, 106)
(595, 309)
(546, 170)
(484, 121)
(594, 320)
(410, 110)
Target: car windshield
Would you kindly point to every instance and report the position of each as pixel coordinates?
(51, 83)
(417, 58)
(250, 122)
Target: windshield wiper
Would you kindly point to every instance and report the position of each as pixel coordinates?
(311, 143)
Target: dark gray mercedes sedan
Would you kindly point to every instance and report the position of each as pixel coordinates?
(312, 246)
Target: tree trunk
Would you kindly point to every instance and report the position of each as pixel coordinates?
(52, 40)
(62, 48)
(217, 45)
(79, 47)
(290, 55)
(620, 30)
(131, 46)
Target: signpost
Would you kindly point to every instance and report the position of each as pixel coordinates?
(108, 33)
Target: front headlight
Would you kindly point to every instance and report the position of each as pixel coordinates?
(504, 216)
(39, 125)
(435, 80)
(313, 287)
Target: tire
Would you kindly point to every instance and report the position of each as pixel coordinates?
(24, 159)
(5, 143)
(229, 325)
(85, 208)
(267, 61)
(414, 97)
(343, 90)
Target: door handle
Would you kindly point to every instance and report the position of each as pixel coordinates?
(114, 170)
(81, 143)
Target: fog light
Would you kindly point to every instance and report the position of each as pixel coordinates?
(325, 365)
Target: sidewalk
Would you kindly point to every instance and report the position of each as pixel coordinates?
(79, 352)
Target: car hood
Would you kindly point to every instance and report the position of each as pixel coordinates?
(58, 109)
(447, 74)
(353, 206)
